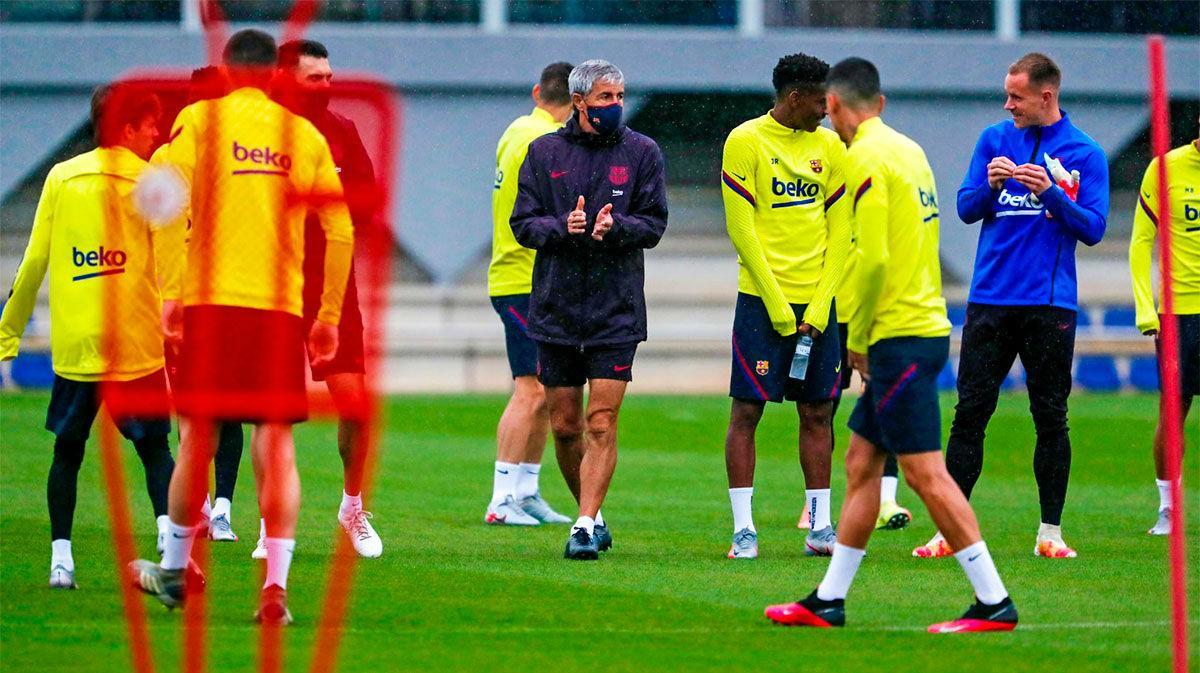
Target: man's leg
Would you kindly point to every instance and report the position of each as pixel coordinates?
(155, 454)
(816, 459)
(740, 454)
(1163, 478)
(62, 485)
(1047, 350)
(349, 393)
(566, 422)
(600, 444)
(228, 460)
(520, 443)
(188, 492)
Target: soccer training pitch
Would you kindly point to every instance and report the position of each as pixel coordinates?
(450, 593)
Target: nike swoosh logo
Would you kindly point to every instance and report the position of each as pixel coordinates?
(502, 471)
(620, 368)
(974, 557)
(739, 177)
(177, 536)
(838, 368)
(554, 175)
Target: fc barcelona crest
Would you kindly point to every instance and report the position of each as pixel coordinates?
(762, 367)
(816, 166)
(618, 175)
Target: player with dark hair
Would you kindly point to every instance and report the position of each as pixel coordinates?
(521, 434)
(106, 341)
(788, 218)
(1183, 169)
(244, 156)
(1040, 187)
(899, 342)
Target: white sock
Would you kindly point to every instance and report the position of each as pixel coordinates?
(1164, 493)
(60, 554)
(262, 529)
(887, 489)
(840, 573)
(739, 499)
(1049, 532)
(977, 562)
(599, 518)
(178, 547)
(221, 507)
(587, 523)
(504, 480)
(350, 504)
(818, 507)
(279, 560)
(206, 509)
(163, 523)
(527, 480)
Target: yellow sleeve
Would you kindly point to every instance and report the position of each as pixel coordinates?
(1141, 250)
(739, 163)
(170, 243)
(339, 233)
(30, 274)
(867, 191)
(180, 150)
(837, 243)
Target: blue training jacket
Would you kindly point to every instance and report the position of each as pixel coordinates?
(1026, 253)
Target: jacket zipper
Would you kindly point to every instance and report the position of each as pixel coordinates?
(1037, 145)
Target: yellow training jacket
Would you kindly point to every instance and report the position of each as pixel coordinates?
(244, 156)
(511, 270)
(898, 276)
(788, 217)
(1183, 176)
(105, 309)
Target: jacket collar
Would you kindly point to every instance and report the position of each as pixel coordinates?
(115, 160)
(1059, 128)
(869, 127)
(539, 113)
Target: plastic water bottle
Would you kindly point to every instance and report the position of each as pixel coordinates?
(800, 358)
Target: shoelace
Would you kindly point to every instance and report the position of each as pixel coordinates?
(743, 539)
(362, 529)
(221, 524)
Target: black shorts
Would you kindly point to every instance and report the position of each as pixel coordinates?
(1189, 353)
(762, 358)
(522, 351)
(571, 367)
(74, 405)
(898, 412)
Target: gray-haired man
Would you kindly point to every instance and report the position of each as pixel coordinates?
(590, 198)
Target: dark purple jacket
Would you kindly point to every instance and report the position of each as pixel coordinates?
(588, 292)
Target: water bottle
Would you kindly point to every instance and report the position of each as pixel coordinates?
(800, 358)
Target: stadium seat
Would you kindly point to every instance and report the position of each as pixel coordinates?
(1120, 316)
(33, 370)
(1097, 373)
(1143, 373)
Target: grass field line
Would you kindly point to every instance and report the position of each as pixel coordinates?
(570, 630)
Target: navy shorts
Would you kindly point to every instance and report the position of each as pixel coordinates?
(74, 405)
(1189, 353)
(898, 412)
(522, 351)
(843, 336)
(571, 367)
(762, 358)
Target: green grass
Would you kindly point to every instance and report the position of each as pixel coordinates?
(452, 594)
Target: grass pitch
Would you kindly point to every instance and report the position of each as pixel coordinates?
(450, 593)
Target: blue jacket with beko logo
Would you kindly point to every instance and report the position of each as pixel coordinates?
(1026, 253)
(586, 292)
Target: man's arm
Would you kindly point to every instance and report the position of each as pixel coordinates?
(359, 176)
(975, 195)
(1141, 250)
(739, 168)
(1085, 219)
(532, 223)
(339, 233)
(643, 226)
(837, 239)
(30, 274)
(870, 206)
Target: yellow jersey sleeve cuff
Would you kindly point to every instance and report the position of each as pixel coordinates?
(9, 347)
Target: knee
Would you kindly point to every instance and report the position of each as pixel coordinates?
(815, 417)
(68, 453)
(602, 425)
(152, 448)
(1049, 422)
(567, 427)
(744, 416)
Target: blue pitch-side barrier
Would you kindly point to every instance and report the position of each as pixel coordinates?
(1100, 373)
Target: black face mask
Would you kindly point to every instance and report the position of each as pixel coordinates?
(316, 100)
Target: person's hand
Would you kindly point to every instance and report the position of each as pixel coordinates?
(805, 328)
(577, 220)
(322, 343)
(172, 323)
(1033, 177)
(999, 169)
(858, 362)
(604, 222)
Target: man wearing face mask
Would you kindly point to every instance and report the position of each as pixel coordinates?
(303, 85)
(590, 198)
(1040, 187)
